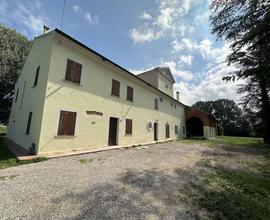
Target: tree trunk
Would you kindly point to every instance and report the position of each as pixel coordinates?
(265, 111)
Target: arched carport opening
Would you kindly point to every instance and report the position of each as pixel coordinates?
(194, 127)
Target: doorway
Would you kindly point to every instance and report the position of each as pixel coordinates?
(113, 131)
(194, 127)
(155, 131)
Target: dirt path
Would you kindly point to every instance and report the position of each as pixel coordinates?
(155, 182)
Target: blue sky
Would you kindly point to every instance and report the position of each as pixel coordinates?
(138, 35)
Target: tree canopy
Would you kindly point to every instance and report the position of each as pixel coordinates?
(245, 24)
(14, 49)
(232, 120)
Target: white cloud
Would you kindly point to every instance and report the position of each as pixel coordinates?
(168, 21)
(76, 8)
(202, 18)
(145, 16)
(182, 74)
(145, 36)
(30, 18)
(211, 87)
(186, 59)
(205, 48)
(178, 72)
(137, 72)
(91, 19)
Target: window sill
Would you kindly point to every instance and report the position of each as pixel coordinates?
(72, 83)
(129, 100)
(64, 136)
(115, 96)
(128, 135)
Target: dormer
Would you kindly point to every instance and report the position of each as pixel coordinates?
(161, 78)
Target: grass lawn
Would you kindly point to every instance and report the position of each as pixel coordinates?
(7, 159)
(3, 129)
(229, 140)
(236, 185)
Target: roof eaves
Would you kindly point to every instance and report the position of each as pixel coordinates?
(118, 66)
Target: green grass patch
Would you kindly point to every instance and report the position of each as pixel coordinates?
(3, 129)
(7, 159)
(228, 140)
(228, 194)
(241, 141)
(85, 161)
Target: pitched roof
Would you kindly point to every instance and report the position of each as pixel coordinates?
(166, 72)
(114, 64)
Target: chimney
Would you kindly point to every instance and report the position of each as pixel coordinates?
(177, 96)
(45, 29)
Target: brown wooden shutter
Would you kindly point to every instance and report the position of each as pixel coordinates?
(29, 123)
(156, 104)
(73, 71)
(167, 127)
(67, 123)
(130, 93)
(115, 88)
(128, 126)
(36, 77)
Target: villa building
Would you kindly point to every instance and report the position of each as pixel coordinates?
(70, 98)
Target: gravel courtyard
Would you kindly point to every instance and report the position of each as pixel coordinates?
(152, 182)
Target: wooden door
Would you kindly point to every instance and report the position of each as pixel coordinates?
(155, 131)
(113, 130)
(167, 130)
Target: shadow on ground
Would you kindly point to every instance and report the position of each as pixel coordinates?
(206, 191)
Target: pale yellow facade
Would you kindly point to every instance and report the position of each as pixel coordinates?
(53, 94)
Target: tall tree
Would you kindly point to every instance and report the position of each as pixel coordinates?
(14, 49)
(231, 118)
(246, 25)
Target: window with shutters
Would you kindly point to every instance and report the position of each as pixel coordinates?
(115, 88)
(128, 126)
(156, 104)
(129, 93)
(17, 93)
(176, 129)
(36, 77)
(67, 123)
(73, 71)
(29, 123)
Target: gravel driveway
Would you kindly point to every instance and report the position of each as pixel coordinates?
(137, 183)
